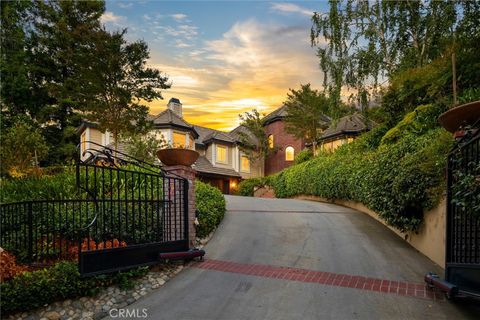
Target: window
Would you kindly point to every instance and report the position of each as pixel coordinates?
(221, 154)
(289, 154)
(83, 141)
(179, 139)
(244, 164)
(191, 140)
(270, 141)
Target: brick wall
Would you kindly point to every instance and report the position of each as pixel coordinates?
(189, 174)
(281, 139)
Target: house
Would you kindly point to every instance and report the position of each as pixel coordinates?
(221, 163)
(343, 131)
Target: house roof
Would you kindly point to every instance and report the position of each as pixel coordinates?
(351, 124)
(218, 136)
(277, 114)
(237, 133)
(175, 100)
(204, 166)
(169, 118)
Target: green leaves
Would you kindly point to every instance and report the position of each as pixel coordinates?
(210, 206)
(399, 179)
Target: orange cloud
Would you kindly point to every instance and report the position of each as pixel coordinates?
(251, 66)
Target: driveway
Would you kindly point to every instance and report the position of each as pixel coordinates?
(294, 259)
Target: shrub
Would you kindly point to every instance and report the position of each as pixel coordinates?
(399, 179)
(247, 186)
(303, 156)
(34, 289)
(210, 208)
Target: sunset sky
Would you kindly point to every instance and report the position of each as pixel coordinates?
(223, 58)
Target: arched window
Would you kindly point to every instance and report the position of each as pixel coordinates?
(289, 153)
(270, 141)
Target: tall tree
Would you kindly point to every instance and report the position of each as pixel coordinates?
(368, 41)
(254, 139)
(61, 47)
(121, 83)
(307, 111)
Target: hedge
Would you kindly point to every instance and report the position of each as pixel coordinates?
(34, 289)
(210, 208)
(398, 173)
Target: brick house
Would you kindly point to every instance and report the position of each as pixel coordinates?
(286, 145)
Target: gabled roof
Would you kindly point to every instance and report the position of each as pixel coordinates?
(204, 166)
(351, 124)
(169, 118)
(277, 114)
(218, 136)
(237, 133)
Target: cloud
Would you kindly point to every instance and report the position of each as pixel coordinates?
(109, 16)
(252, 65)
(185, 31)
(124, 5)
(291, 8)
(179, 16)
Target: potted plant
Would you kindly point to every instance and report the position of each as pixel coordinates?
(177, 155)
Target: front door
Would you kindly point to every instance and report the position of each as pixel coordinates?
(226, 187)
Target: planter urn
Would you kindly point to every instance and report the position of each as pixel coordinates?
(457, 119)
(177, 156)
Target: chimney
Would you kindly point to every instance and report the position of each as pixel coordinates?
(176, 106)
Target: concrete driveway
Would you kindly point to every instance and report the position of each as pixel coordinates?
(294, 259)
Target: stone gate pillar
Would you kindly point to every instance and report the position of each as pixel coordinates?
(189, 174)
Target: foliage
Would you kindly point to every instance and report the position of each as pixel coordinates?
(254, 140)
(398, 179)
(210, 208)
(247, 187)
(59, 64)
(22, 147)
(466, 181)
(307, 111)
(143, 146)
(369, 41)
(303, 156)
(9, 266)
(34, 289)
(117, 95)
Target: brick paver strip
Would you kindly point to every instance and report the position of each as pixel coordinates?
(401, 288)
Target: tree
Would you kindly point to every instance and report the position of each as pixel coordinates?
(307, 111)
(61, 46)
(22, 148)
(143, 146)
(254, 139)
(121, 84)
(368, 41)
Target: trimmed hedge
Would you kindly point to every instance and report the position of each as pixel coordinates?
(210, 208)
(399, 174)
(34, 289)
(247, 187)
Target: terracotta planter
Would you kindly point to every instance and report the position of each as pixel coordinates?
(175, 156)
(456, 119)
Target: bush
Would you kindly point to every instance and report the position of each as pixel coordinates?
(210, 208)
(34, 289)
(247, 186)
(303, 156)
(399, 179)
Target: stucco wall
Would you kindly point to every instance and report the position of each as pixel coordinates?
(429, 239)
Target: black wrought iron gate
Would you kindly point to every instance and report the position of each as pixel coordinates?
(124, 213)
(463, 217)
